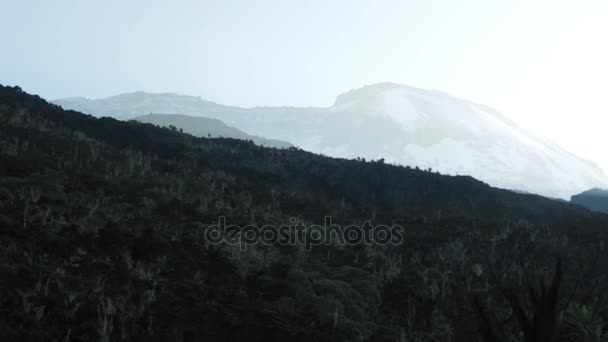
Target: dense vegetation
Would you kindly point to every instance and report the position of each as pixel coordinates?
(101, 226)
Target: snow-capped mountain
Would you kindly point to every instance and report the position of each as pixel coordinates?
(398, 123)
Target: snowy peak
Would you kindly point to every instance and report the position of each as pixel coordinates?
(460, 137)
(367, 93)
(373, 95)
(401, 124)
(417, 109)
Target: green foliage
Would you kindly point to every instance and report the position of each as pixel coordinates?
(584, 325)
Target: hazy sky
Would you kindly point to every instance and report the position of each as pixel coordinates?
(543, 63)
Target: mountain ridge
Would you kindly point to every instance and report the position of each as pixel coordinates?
(207, 127)
(401, 124)
(595, 199)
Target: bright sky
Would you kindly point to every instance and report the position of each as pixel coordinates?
(543, 63)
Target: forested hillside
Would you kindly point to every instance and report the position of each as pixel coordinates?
(102, 226)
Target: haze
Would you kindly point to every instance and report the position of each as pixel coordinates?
(542, 63)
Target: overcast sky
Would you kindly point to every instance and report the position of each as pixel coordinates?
(542, 63)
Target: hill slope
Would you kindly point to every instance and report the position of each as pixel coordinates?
(206, 127)
(105, 222)
(400, 124)
(594, 199)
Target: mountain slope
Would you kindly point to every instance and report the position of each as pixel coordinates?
(206, 127)
(437, 131)
(400, 124)
(594, 199)
(104, 237)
